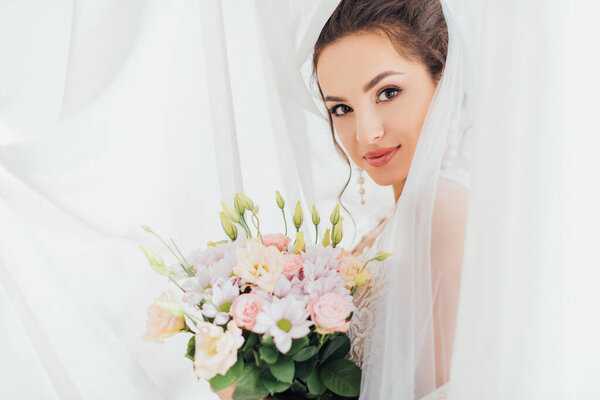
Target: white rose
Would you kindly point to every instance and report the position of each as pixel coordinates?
(216, 350)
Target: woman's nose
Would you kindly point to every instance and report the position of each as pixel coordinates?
(368, 129)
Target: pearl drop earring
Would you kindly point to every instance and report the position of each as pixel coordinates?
(361, 181)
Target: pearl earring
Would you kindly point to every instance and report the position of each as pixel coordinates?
(361, 181)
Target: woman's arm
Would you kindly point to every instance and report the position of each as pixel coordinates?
(447, 242)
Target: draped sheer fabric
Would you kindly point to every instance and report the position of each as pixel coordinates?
(115, 114)
(407, 316)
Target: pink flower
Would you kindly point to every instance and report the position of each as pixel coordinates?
(245, 308)
(292, 264)
(329, 313)
(162, 324)
(278, 240)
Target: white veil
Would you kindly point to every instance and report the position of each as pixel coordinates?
(414, 300)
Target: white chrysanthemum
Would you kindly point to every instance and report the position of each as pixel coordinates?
(325, 256)
(218, 300)
(284, 319)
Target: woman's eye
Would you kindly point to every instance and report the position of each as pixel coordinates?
(388, 93)
(342, 107)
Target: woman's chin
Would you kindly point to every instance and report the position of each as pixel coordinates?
(383, 179)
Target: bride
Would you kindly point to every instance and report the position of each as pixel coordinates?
(390, 75)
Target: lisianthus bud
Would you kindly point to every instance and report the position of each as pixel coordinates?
(247, 201)
(239, 204)
(335, 215)
(337, 233)
(280, 201)
(326, 242)
(228, 227)
(315, 216)
(156, 262)
(299, 245)
(230, 213)
(214, 244)
(298, 217)
(382, 256)
(361, 278)
(146, 228)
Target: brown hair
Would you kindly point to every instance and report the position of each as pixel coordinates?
(416, 28)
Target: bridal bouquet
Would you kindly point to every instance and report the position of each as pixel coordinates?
(263, 312)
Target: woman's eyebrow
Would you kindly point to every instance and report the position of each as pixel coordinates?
(369, 85)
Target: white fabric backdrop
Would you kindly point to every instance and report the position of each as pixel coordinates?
(115, 114)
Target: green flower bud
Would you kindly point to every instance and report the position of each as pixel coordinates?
(228, 227)
(315, 216)
(156, 262)
(214, 244)
(239, 204)
(337, 233)
(280, 201)
(247, 201)
(231, 213)
(255, 210)
(361, 278)
(335, 215)
(382, 256)
(146, 228)
(299, 245)
(326, 242)
(298, 218)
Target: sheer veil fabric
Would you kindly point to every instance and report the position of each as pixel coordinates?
(413, 298)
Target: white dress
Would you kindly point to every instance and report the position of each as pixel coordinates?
(362, 318)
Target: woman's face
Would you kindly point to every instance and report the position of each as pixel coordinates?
(378, 100)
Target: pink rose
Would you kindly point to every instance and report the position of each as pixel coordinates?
(278, 240)
(329, 313)
(245, 308)
(292, 264)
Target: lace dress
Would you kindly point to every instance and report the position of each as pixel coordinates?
(362, 318)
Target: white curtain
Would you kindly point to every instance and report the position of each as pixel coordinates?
(527, 322)
(115, 114)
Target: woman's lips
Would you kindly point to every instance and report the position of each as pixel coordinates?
(384, 158)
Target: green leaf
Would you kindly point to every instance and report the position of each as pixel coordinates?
(305, 353)
(272, 384)
(268, 354)
(220, 382)
(249, 386)
(337, 347)
(303, 369)
(283, 369)
(191, 348)
(315, 385)
(267, 340)
(341, 376)
(251, 341)
(297, 345)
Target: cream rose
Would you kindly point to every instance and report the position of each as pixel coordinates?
(216, 350)
(161, 324)
(329, 313)
(258, 264)
(245, 308)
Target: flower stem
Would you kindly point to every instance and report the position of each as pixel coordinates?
(284, 221)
